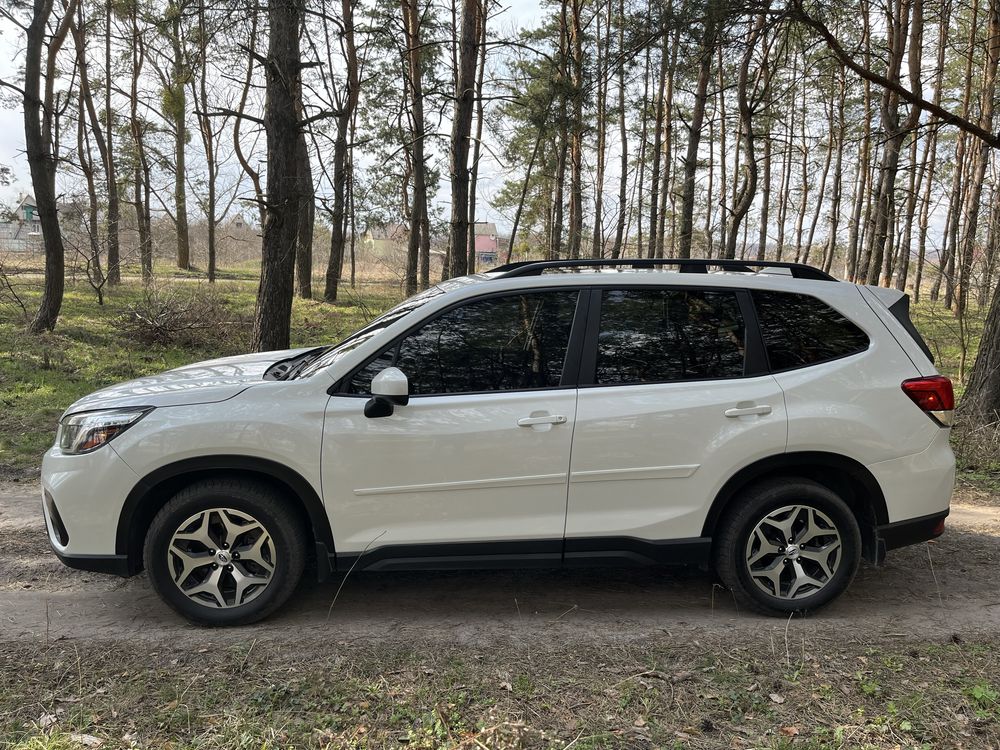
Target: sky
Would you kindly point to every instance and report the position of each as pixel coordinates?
(521, 13)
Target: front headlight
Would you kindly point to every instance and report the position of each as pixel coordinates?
(89, 430)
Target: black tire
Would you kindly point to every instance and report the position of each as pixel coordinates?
(751, 508)
(270, 509)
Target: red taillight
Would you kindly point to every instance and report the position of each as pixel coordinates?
(932, 394)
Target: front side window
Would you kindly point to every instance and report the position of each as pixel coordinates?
(663, 335)
(513, 342)
(800, 330)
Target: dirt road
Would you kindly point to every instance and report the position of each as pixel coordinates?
(946, 587)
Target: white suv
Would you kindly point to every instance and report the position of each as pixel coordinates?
(761, 418)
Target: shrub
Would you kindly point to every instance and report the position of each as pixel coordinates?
(187, 315)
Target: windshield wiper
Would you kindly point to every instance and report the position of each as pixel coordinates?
(289, 368)
(304, 361)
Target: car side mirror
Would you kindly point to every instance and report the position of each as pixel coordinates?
(389, 389)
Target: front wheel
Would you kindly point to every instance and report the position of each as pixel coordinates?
(788, 546)
(225, 552)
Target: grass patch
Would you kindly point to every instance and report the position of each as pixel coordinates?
(658, 694)
(41, 375)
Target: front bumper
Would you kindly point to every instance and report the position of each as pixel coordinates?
(82, 499)
(116, 565)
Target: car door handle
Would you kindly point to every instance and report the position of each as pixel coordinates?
(547, 419)
(747, 411)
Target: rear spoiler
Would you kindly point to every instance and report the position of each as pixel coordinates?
(898, 304)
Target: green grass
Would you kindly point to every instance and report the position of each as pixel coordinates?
(41, 375)
(710, 693)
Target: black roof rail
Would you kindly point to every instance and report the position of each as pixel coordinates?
(686, 265)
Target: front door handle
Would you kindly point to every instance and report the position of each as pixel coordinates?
(547, 419)
(747, 411)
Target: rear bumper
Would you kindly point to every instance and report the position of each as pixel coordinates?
(911, 531)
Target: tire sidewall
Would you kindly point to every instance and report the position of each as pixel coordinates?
(284, 534)
(810, 495)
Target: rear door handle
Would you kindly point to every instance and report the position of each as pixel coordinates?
(547, 419)
(747, 411)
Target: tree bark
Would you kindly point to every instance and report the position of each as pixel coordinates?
(41, 159)
(476, 146)
(111, 171)
(705, 55)
(341, 155)
(283, 67)
(418, 212)
(461, 129)
(178, 112)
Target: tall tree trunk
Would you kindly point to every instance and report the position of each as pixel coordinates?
(705, 56)
(250, 172)
(838, 175)
(111, 172)
(93, 259)
(461, 129)
(38, 128)
(765, 193)
(597, 241)
(861, 177)
(341, 157)
(821, 194)
(959, 184)
(272, 318)
(208, 141)
(88, 112)
(477, 144)
(178, 112)
(805, 180)
(616, 249)
(743, 197)
(930, 152)
(418, 211)
(306, 219)
(658, 124)
(980, 154)
(575, 238)
(141, 167)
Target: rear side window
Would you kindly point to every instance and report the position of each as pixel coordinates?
(663, 335)
(799, 330)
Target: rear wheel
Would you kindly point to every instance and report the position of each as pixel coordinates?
(788, 546)
(225, 552)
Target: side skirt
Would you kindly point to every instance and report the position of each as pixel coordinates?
(540, 553)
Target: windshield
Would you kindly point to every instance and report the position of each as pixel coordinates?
(371, 330)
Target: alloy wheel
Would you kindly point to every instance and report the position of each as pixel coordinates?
(793, 552)
(221, 557)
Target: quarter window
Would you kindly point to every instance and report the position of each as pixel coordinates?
(663, 335)
(800, 330)
(514, 342)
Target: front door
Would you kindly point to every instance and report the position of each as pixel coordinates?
(478, 460)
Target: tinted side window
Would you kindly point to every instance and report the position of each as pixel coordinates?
(506, 343)
(659, 335)
(800, 330)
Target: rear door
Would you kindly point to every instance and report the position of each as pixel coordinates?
(674, 399)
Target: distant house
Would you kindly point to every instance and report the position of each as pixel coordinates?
(22, 231)
(487, 244)
(26, 211)
(385, 241)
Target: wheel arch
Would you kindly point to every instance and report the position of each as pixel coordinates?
(153, 491)
(850, 479)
